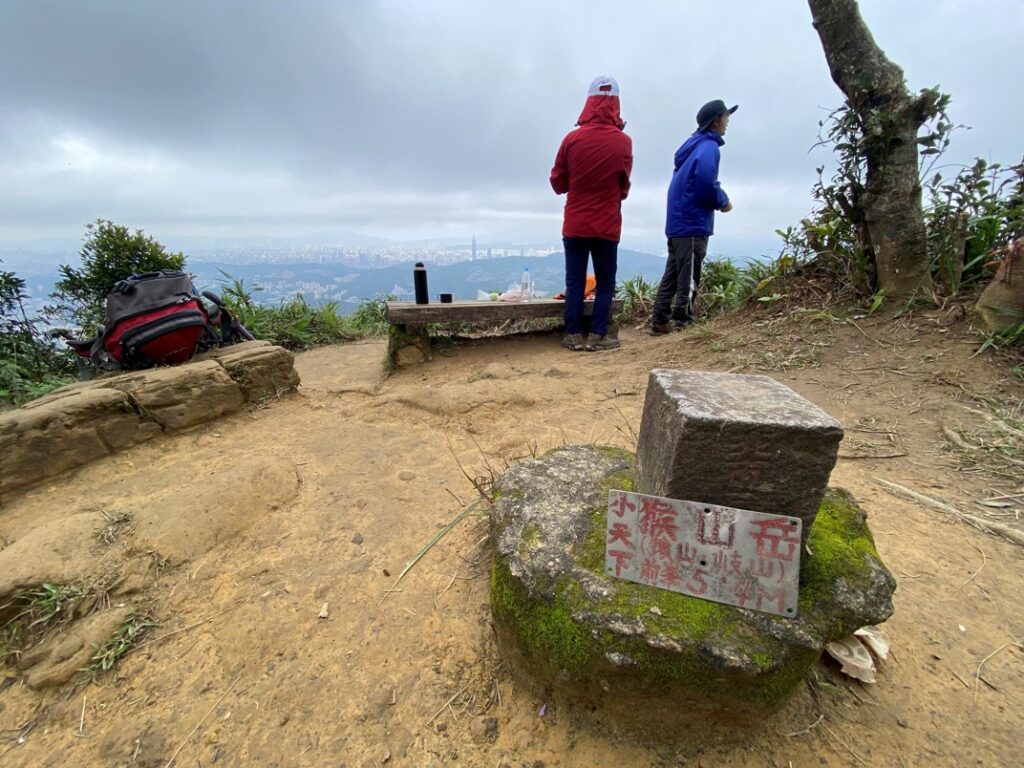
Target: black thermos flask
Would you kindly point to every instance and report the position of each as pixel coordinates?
(419, 280)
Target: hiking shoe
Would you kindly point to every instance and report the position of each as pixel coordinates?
(603, 342)
(680, 325)
(573, 342)
(660, 329)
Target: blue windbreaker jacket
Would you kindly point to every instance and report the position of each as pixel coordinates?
(695, 194)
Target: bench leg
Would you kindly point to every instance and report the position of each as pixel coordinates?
(407, 335)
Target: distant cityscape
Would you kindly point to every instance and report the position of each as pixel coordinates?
(371, 256)
(347, 275)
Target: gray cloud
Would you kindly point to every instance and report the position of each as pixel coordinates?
(408, 119)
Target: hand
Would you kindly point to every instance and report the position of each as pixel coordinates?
(728, 207)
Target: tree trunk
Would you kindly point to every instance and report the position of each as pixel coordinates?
(893, 222)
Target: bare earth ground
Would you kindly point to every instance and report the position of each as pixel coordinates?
(242, 671)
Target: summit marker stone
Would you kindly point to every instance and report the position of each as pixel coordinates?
(739, 441)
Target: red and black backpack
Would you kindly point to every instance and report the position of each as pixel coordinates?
(157, 318)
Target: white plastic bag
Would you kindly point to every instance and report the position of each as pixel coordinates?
(515, 292)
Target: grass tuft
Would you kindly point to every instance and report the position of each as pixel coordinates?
(110, 653)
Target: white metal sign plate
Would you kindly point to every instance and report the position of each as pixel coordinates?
(733, 556)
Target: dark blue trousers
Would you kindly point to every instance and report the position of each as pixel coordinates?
(578, 251)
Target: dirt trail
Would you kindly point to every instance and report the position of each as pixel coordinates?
(242, 658)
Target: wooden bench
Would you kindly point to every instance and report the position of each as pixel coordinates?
(409, 320)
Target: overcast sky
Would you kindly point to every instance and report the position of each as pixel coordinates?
(408, 120)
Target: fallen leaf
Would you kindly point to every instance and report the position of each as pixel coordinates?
(875, 639)
(857, 662)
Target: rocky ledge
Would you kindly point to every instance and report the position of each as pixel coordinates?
(82, 422)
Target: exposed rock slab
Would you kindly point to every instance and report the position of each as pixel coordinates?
(62, 657)
(182, 526)
(625, 647)
(739, 441)
(54, 552)
(261, 370)
(88, 420)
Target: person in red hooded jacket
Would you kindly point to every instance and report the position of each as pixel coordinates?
(592, 167)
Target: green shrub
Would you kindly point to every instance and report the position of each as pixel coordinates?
(295, 325)
(109, 253)
(30, 363)
(977, 212)
(637, 297)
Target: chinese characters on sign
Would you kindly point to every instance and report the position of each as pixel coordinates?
(734, 556)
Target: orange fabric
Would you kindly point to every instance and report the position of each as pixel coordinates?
(589, 290)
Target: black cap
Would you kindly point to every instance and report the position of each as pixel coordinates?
(710, 111)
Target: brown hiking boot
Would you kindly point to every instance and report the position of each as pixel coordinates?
(603, 342)
(660, 329)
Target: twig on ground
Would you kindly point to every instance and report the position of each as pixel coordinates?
(81, 720)
(977, 675)
(440, 535)
(629, 426)
(201, 721)
(988, 526)
(1005, 496)
(871, 456)
(808, 729)
(441, 709)
(184, 629)
(954, 438)
(966, 684)
(865, 333)
(984, 560)
(835, 736)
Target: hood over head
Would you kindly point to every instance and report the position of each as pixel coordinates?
(691, 144)
(602, 104)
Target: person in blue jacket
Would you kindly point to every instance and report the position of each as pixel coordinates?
(693, 197)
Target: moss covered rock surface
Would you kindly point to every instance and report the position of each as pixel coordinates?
(620, 646)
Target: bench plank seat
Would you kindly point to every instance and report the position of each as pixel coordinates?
(409, 320)
(408, 312)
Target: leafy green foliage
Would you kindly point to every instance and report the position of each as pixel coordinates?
(637, 297)
(724, 287)
(110, 253)
(294, 324)
(30, 364)
(1011, 336)
(978, 211)
(968, 217)
(108, 654)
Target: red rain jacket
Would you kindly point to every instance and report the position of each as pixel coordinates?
(593, 166)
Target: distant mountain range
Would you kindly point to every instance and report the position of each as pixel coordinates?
(320, 283)
(348, 285)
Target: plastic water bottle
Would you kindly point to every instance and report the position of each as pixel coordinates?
(527, 288)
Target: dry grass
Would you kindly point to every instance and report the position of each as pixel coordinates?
(995, 448)
(115, 528)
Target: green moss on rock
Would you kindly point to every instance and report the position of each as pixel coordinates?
(841, 546)
(674, 646)
(546, 631)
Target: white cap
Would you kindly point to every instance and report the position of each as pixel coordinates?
(604, 85)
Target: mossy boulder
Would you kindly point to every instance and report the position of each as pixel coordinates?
(650, 657)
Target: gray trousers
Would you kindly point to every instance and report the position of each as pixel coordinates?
(677, 290)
